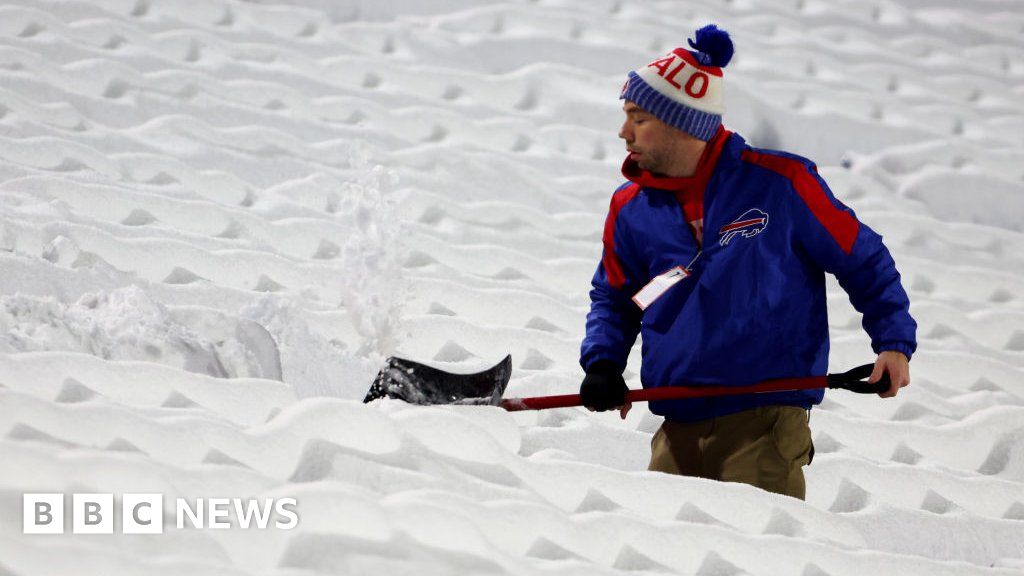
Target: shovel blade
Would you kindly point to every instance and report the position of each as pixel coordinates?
(418, 383)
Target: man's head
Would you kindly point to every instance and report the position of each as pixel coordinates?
(683, 89)
(656, 146)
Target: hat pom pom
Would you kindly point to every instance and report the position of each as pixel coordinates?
(714, 46)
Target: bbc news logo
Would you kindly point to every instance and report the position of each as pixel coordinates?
(144, 513)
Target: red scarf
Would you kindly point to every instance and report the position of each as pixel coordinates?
(689, 191)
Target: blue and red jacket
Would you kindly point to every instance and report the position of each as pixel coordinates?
(753, 307)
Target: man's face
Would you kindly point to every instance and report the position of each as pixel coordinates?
(654, 145)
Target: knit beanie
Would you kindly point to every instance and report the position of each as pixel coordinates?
(684, 88)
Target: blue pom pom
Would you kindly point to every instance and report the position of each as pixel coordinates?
(714, 46)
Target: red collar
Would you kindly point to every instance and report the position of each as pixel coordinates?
(695, 184)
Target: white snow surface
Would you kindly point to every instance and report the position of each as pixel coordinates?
(219, 217)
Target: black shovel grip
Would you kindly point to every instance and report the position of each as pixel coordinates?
(855, 381)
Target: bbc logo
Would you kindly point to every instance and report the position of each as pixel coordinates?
(144, 513)
(92, 513)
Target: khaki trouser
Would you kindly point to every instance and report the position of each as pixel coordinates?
(764, 447)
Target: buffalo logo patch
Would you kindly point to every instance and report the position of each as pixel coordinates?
(749, 224)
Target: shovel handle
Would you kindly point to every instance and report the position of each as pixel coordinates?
(851, 380)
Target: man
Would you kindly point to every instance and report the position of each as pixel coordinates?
(717, 253)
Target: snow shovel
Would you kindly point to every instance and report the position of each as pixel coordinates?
(418, 383)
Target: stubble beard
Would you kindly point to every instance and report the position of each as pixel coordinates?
(652, 161)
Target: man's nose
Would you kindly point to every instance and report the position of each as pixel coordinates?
(625, 131)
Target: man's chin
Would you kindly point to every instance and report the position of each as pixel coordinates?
(645, 165)
(643, 161)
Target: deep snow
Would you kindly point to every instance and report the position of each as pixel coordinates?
(218, 218)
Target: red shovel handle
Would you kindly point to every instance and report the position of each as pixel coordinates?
(849, 381)
(669, 393)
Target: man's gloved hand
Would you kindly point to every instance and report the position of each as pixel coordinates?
(603, 388)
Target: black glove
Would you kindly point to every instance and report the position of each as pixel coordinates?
(603, 388)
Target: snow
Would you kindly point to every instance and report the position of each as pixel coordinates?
(218, 218)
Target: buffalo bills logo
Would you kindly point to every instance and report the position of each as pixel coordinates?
(750, 224)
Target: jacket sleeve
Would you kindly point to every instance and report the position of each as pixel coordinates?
(614, 319)
(831, 235)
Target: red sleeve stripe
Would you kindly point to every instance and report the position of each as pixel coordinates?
(840, 224)
(612, 266)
